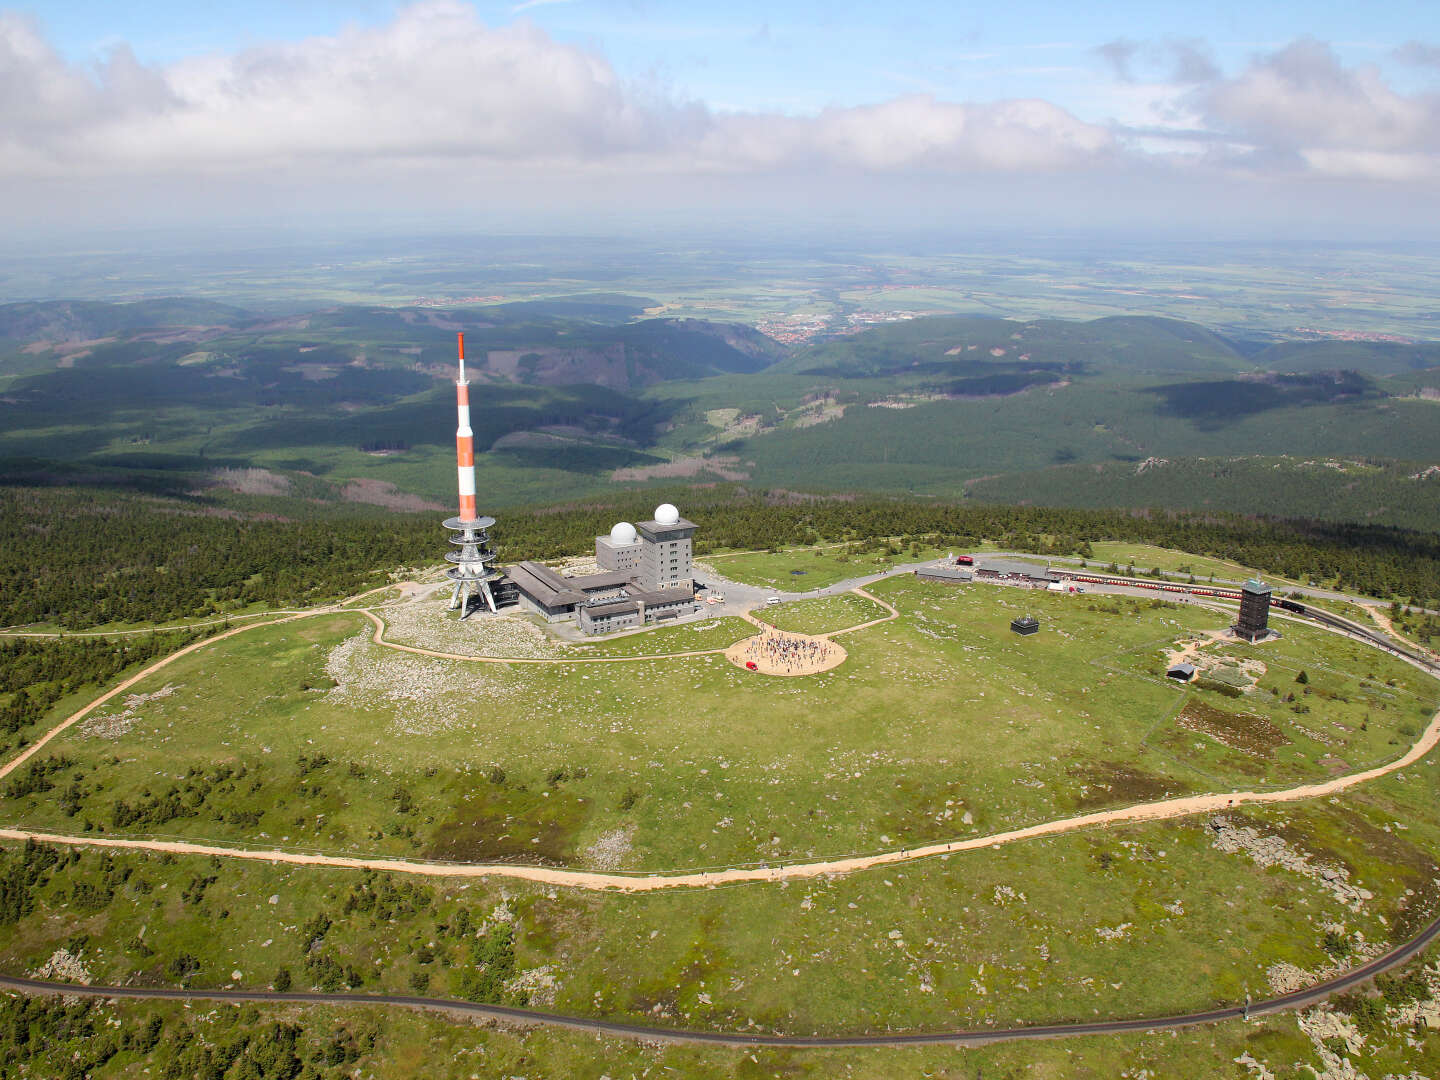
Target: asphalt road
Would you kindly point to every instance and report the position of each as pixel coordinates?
(975, 1037)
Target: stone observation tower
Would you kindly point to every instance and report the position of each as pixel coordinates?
(1253, 623)
(471, 569)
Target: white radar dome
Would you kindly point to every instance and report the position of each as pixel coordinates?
(665, 514)
(622, 533)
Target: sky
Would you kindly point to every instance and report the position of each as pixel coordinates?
(1218, 118)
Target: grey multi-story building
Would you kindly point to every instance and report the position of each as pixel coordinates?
(665, 550)
(620, 550)
(645, 578)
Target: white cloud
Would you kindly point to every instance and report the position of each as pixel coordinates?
(1303, 97)
(437, 95)
(437, 85)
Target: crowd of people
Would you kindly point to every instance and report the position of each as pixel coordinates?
(787, 653)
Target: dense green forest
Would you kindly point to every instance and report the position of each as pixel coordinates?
(1324, 486)
(79, 557)
(587, 397)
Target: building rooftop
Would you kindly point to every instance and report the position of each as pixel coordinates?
(1017, 566)
(603, 609)
(946, 573)
(1255, 585)
(665, 526)
(661, 596)
(544, 585)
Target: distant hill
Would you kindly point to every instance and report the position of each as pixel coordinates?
(82, 320)
(932, 345)
(1372, 357)
(1324, 487)
(582, 394)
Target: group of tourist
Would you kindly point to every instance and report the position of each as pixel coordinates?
(780, 651)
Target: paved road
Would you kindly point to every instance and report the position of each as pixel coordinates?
(974, 1037)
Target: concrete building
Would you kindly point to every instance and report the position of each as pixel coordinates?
(1254, 621)
(620, 550)
(1016, 571)
(946, 575)
(645, 579)
(665, 549)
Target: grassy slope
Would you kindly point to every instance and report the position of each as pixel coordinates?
(751, 769)
(994, 936)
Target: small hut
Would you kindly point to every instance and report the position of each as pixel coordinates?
(1025, 625)
(1180, 672)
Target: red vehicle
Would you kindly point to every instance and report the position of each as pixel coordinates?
(964, 560)
(752, 665)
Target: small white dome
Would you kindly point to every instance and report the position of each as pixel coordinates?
(622, 533)
(666, 514)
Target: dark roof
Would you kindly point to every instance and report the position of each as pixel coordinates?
(944, 573)
(543, 585)
(655, 528)
(661, 596)
(609, 579)
(612, 607)
(1181, 669)
(1016, 566)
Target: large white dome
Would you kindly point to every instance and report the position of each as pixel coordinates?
(666, 514)
(622, 533)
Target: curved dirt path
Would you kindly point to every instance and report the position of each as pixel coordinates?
(152, 629)
(1185, 806)
(80, 714)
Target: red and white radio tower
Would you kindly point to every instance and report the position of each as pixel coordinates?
(471, 572)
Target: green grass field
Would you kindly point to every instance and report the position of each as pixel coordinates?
(1146, 557)
(822, 615)
(805, 569)
(336, 744)
(941, 724)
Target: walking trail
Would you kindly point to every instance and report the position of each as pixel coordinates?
(635, 883)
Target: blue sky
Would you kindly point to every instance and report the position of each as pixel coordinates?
(626, 101)
(802, 56)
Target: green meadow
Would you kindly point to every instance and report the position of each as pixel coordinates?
(941, 724)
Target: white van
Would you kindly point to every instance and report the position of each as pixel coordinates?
(771, 601)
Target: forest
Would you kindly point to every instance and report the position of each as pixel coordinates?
(79, 558)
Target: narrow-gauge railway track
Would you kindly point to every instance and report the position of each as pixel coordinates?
(1298, 999)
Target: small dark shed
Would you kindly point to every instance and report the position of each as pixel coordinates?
(1026, 624)
(1183, 672)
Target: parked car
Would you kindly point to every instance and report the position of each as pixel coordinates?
(771, 601)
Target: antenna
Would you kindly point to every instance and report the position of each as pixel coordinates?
(460, 344)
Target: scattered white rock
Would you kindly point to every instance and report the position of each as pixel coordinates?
(539, 983)
(610, 848)
(114, 725)
(64, 965)
(1255, 1068)
(1269, 851)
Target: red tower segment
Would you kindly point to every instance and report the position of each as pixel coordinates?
(464, 439)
